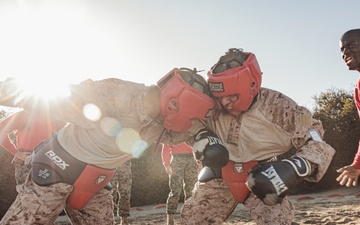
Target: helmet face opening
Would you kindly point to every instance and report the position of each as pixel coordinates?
(181, 102)
(244, 81)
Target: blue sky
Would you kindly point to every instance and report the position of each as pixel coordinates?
(296, 42)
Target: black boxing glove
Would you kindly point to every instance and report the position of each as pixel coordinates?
(207, 174)
(210, 150)
(212, 153)
(271, 181)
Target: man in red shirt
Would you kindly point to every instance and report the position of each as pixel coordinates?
(181, 166)
(350, 52)
(20, 133)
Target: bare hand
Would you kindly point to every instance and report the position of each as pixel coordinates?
(20, 155)
(168, 170)
(348, 176)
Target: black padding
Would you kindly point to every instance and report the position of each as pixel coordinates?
(271, 181)
(210, 149)
(215, 156)
(108, 186)
(52, 164)
(206, 174)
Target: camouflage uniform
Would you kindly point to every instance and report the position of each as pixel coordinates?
(128, 112)
(270, 127)
(22, 170)
(121, 189)
(44, 204)
(183, 178)
(212, 203)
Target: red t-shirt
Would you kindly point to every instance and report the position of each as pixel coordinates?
(31, 128)
(169, 150)
(356, 162)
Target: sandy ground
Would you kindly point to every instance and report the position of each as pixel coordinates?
(337, 206)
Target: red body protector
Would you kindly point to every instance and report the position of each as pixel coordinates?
(90, 181)
(235, 175)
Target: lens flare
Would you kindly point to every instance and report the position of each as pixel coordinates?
(110, 126)
(139, 148)
(128, 140)
(92, 112)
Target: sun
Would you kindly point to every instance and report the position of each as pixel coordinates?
(44, 89)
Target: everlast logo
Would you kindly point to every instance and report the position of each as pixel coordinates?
(56, 159)
(215, 140)
(216, 87)
(275, 179)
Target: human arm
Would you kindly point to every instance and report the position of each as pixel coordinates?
(210, 151)
(8, 126)
(168, 170)
(70, 108)
(356, 161)
(13, 93)
(8, 145)
(10, 91)
(300, 131)
(165, 157)
(349, 175)
(315, 150)
(271, 181)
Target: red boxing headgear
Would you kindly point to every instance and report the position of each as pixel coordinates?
(181, 102)
(244, 81)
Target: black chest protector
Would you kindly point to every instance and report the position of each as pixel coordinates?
(51, 164)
